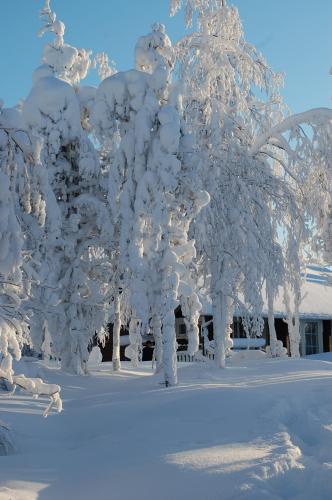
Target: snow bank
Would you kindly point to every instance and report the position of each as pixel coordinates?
(247, 355)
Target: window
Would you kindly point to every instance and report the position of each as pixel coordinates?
(311, 337)
(237, 329)
(181, 331)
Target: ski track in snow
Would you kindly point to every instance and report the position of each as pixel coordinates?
(256, 431)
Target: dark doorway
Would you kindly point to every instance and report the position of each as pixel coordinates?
(282, 332)
(327, 335)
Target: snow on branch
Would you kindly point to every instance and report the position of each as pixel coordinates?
(316, 116)
(51, 24)
(20, 196)
(61, 59)
(9, 348)
(37, 387)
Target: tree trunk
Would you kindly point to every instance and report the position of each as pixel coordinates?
(294, 342)
(293, 323)
(169, 301)
(135, 339)
(169, 349)
(72, 360)
(191, 307)
(158, 349)
(116, 332)
(74, 350)
(221, 311)
(272, 330)
(220, 306)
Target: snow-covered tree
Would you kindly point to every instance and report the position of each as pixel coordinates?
(78, 228)
(153, 187)
(305, 142)
(59, 58)
(18, 194)
(220, 74)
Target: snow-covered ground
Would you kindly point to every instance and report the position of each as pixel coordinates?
(261, 429)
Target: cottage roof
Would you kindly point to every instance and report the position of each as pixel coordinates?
(316, 293)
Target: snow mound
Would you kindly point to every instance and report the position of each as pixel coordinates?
(271, 458)
(281, 351)
(247, 355)
(95, 357)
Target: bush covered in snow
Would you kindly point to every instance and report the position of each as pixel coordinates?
(279, 352)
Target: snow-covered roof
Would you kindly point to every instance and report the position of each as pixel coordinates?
(316, 296)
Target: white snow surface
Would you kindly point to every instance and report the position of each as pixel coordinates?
(257, 430)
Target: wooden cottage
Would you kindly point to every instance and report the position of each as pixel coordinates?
(315, 321)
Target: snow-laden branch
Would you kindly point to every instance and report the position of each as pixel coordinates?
(37, 387)
(316, 116)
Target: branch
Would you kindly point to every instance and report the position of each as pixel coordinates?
(317, 116)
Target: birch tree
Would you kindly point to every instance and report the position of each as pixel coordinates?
(17, 194)
(155, 193)
(220, 72)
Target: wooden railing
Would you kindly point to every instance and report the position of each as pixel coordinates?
(184, 357)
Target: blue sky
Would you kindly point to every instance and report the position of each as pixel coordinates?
(294, 36)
